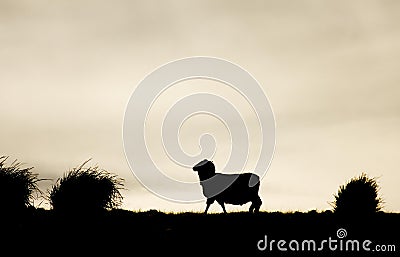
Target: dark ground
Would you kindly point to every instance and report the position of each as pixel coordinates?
(126, 233)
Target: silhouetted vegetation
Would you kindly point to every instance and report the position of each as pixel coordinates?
(109, 230)
(358, 197)
(18, 186)
(86, 190)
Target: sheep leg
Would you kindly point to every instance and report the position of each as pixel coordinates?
(209, 202)
(251, 209)
(223, 206)
(255, 205)
(208, 206)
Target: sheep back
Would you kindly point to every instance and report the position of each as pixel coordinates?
(232, 188)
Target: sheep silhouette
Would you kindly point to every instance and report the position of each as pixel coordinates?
(237, 189)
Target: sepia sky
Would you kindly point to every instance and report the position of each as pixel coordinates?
(329, 68)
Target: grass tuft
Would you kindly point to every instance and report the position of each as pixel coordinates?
(86, 189)
(359, 196)
(18, 185)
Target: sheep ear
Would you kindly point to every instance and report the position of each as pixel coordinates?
(201, 163)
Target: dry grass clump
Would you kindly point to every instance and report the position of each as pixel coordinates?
(359, 196)
(18, 186)
(86, 189)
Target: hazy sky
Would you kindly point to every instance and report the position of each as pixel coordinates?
(330, 70)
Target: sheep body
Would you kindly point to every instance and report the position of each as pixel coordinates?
(237, 189)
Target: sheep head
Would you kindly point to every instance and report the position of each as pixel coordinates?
(205, 169)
